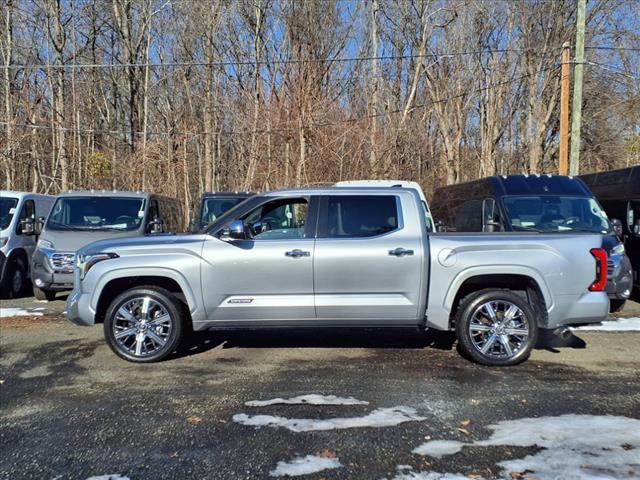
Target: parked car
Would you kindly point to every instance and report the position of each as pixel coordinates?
(214, 204)
(79, 218)
(18, 214)
(339, 257)
(535, 203)
(395, 184)
(619, 193)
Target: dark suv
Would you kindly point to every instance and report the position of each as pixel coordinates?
(534, 203)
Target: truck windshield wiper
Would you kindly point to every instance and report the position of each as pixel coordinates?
(62, 226)
(520, 228)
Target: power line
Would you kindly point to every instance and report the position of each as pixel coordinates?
(611, 68)
(607, 47)
(228, 63)
(284, 129)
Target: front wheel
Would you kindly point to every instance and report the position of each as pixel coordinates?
(144, 324)
(496, 328)
(16, 278)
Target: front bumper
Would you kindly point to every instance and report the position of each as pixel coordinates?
(619, 278)
(46, 277)
(79, 309)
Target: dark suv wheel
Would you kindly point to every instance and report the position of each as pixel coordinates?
(144, 324)
(496, 328)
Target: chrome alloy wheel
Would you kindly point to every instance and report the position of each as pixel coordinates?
(142, 326)
(499, 329)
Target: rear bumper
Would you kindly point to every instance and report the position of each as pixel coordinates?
(590, 307)
(79, 309)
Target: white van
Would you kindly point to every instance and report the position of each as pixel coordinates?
(394, 183)
(19, 212)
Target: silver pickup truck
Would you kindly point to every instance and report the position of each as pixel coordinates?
(339, 257)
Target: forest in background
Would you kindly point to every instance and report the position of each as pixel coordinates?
(185, 96)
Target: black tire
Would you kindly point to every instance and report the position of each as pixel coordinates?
(615, 305)
(43, 294)
(468, 343)
(15, 279)
(174, 326)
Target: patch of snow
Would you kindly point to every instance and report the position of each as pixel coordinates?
(18, 312)
(438, 448)
(304, 466)
(432, 476)
(111, 476)
(382, 417)
(619, 325)
(574, 447)
(311, 399)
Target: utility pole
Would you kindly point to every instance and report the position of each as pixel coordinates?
(576, 117)
(563, 160)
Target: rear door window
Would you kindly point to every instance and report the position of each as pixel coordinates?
(359, 216)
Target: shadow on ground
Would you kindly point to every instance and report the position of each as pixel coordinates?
(317, 338)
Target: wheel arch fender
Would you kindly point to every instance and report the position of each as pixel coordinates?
(133, 273)
(478, 272)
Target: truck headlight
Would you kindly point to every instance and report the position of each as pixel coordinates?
(86, 262)
(44, 244)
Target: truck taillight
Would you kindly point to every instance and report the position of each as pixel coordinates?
(601, 269)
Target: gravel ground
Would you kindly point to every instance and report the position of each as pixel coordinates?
(72, 409)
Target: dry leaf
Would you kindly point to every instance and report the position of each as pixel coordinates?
(516, 475)
(627, 446)
(464, 430)
(523, 401)
(194, 419)
(465, 423)
(326, 453)
(530, 477)
(174, 455)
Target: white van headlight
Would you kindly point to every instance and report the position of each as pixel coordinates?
(86, 262)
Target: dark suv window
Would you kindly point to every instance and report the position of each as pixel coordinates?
(360, 215)
(469, 217)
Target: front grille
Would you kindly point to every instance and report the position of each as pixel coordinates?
(611, 266)
(63, 262)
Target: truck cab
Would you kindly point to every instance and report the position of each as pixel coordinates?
(553, 204)
(18, 214)
(79, 218)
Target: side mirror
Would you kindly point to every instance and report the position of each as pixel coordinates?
(636, 228)
(441, 226)
(492, 227)
(39, 225)
(616, 224)
(155, 226)
(235, 231)
(28, 226)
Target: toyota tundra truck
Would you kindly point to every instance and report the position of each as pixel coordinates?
(339, 257)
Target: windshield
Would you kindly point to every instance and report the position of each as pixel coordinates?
(97, 213)
(7, 210)
(213, 208)
(553, 213)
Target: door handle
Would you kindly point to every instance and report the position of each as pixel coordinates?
(400, 252)
(297, 253)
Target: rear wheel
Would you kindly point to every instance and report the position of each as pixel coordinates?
(496, 328)
(43, 294)
(144, 324)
